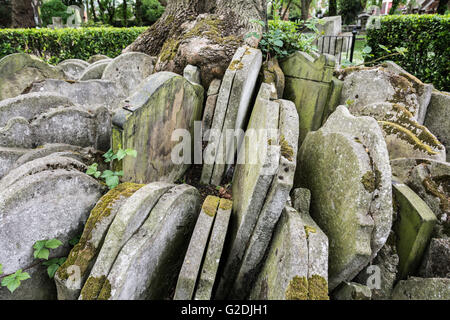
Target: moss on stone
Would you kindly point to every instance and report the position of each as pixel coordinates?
(212, 28)
(317, 288)
(82, 254)
(169, 50)
(297, 289)
(210, 205)
(440, 188)
(105, 293)
(92, 287)
(286, 150)
(236, 65)
(225, 204)
(308, 230)
(369, 182)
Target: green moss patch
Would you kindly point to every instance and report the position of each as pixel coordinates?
(210, 205)
(317, 288)
(297, 289)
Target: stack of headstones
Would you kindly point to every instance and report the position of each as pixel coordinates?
(133, 244)
(46, 196)
(199, 271)
(260, 189)
(296, 265)
(230, 113)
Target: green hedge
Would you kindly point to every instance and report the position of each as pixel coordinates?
(56, 45)
(427, 39)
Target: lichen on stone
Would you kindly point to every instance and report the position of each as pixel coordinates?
(297, 289)
(371, 180)
(308, 230)
(169, 50)
(225, 204)
(317, 288)
(236, 65)
(210, 205)
(105, 293)
(286, 150)
(92, 287)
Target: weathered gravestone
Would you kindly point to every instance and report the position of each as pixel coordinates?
(87, 94)
(436, 260)
(68, 196)
(210, 105)
(126, 223)
(437, 119)
(346, 167)
(413, 229)
(310, 84)
(231, 110)
(422, 289)
(147, 265)
(72, 68)
(405, 137)
(95, 70)
(163, 103)
(98, 57)
(128, 70)
(210, 266)
(296, 265)
(8, 156)
(19, 70)
(82, 257)
(352, 291)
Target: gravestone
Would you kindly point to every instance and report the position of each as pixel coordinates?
(210, 105)
(422, 289)
(128, 70)
(8, 156)
(435, 263)
(95, 70)
(309, 85)
(164, 102)
(437, 118)
(72, 68)
(19, 70)
(68, 195)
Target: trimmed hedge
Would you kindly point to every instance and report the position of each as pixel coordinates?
(427, 39)
(60, 44)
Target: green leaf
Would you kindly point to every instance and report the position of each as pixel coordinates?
(53, 243)
(278, 43)
(121, 154)
(1, 268)
(40, 252)
(12, 282)
(112, 181)
(131, 153)
(92, 169)
(51, 270)
(118, 173)
(97, 174)
(107, 173)
(384, 48)
(367, 49)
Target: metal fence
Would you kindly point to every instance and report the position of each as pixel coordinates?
(341, 47)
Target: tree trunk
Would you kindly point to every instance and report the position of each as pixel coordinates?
(332, 8)
(305, 9)
(124, 14)
(205, 33)
(22, 14)
(138, 13)
(94, 15)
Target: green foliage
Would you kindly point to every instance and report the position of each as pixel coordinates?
(42, 248)
(12, 282)
(112, 178)
(54, 46)
(53, 265)
(53, 8)
(425, 37)
(349, 10)
(283, 37)
(151, 11)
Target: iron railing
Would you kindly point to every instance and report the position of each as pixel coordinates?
(338, 46)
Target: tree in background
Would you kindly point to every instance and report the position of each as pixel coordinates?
(443, 6)
(332, 8)
(53, 8)
(5, 13)
(151, 11)
(349, 10)
(22, 14)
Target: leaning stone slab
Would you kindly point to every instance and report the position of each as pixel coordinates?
(68, 197)
(19, 70)
(30, 105)
(126, 223)
(422, 289)
(413, 228)
(244, 82)
(8, 157)
(405, 137)
(163, 103)
(98, 57)
(94, 71)
(82, 257)
(148, 265)
(366, 131)
(274, 201)
(192, 73)
(72, 68)
(437, 118)
(251, 182)
(352, 291)
(436, 261)
(128, 70)
(213, 255)
(50, 162)
(336, 169)
(190, 269)
(308, 85)
(87, 94)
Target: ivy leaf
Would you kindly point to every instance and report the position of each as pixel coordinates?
(367, 49)
(107, 174)
(92, 169)
(112, 181)
(12, 282)
(40, 251)
(53, 243)
(121, 154)
(131, 152)
(118, 173)
(97, 174)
